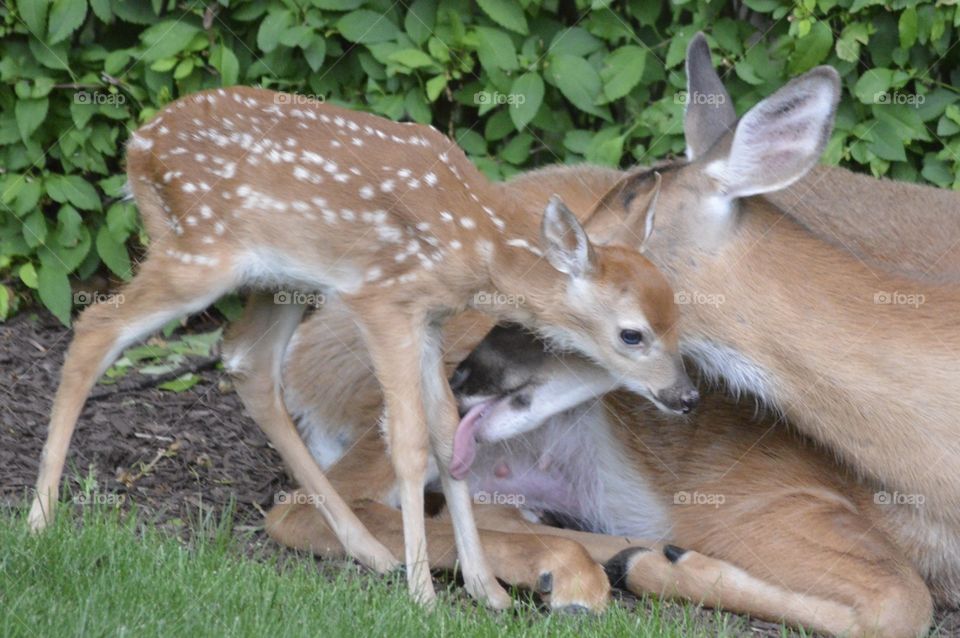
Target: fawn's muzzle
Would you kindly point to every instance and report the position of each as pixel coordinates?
(682, 396)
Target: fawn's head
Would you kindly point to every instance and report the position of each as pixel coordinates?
(617, 309)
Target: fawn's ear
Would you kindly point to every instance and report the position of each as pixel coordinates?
(565, 243)
(709, 110)
(779, 140)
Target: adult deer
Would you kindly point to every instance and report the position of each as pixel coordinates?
(251, 188)
(803, 322)
(722, 508)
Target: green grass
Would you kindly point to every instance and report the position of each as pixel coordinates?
(101, 573)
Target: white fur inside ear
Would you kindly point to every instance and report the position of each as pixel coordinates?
(779, 139)
(565, 242)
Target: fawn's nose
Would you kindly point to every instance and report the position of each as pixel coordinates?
(689, 400)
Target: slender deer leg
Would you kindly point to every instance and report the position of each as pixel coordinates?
(254, 353)
(159, 293)
(442, 420)
(396, 348)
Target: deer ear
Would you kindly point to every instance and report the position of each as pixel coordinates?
(643, 216)
(709, 110)
(780, 139)
(565, 243)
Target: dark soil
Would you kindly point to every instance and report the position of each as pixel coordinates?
(175, 455)
(178, 457)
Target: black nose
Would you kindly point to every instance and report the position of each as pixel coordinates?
(689, 400)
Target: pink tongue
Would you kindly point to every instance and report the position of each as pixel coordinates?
(465, 441)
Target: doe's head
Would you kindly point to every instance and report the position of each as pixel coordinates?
(617, 309)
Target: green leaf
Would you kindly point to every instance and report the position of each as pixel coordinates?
(225, 62)
(316, 52)
(420, 20)
(34, 229)
(886, 144)
(337, 5)
(435, 86)
(367, 27)
(113, 253)
(28, 275)
(30, 114)
(578, 81)
(812, 50)
(66, 16)
(81, 193)
(182, 383)
(522, 111)
(4, 302)
(272, 28)
(69, 223)
(166, 39)
(184, 69)
(506, 13)
(622, 71)
(908, 27)
(873, 85)
(495, 50)
(34, 13)
(54, 290)
(413, 58)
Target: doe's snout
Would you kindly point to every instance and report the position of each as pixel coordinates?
(682, 396)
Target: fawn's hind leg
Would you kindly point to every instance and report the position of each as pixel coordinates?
(254, 351)
(162, 290)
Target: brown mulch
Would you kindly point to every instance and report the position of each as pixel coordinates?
(176, 456)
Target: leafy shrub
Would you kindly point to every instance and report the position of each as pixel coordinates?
(517, 83)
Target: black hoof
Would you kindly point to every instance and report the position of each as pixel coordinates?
(545, 583)
(617, 566)
(673, 553)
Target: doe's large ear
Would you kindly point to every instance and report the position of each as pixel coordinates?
(780, 139)
(565, 243)
(709, 109)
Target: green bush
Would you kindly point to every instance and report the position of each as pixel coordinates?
(518, 83)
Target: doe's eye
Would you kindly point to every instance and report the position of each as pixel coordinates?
(631, 337)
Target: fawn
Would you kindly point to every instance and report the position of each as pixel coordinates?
(251, 188)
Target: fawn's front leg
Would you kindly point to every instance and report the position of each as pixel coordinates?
(442, 420)
(410, 370)
(395, 345)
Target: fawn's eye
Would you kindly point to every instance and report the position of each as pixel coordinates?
(459, 377)
(631, 337)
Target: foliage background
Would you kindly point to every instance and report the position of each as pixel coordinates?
(600, 81)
